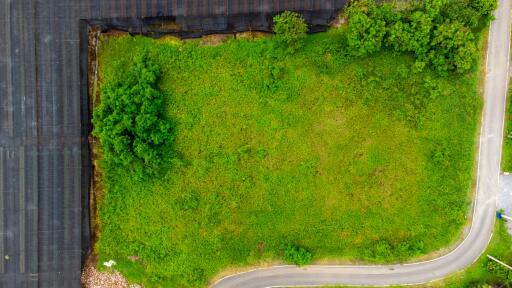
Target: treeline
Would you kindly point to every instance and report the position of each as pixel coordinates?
(130, 121)
(441, 33)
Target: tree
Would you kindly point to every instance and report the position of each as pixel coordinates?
(471, 13)
(290, 29)
(461, 11)
(421, 27)
(129, 121)
(452, 47)
(366, 29)
(435, 31)
(484, 8)
(399, 36)
(433, 9)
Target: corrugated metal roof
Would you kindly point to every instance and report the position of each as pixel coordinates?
(44, 157)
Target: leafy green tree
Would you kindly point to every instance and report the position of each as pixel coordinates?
(399, 36)
(433, 9)
(484, 8)
(366, 28)
(130, 120)
(452, 47)
(437, 32)
(471, 13)
(421, 28)
(461, 11)
(387, 13)
(290, 29)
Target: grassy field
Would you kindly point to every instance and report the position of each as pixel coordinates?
(354, 159)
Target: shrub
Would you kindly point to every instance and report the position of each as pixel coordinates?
(290, 29)
(296, 255)
(500, 273)
(129, 120)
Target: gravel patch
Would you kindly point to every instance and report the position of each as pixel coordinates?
(92, 278)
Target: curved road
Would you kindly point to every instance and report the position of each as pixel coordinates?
(484, 209)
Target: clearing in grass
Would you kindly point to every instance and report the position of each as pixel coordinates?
(346, 158)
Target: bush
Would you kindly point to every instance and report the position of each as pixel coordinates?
(296, 255)
(500, 273)
(129, 120)
(290, 29)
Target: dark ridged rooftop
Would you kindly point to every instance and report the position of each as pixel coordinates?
(44, 121)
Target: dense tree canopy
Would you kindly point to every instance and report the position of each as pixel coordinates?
(129, 121)
(365, 34)
(437, 32)
(454, 47)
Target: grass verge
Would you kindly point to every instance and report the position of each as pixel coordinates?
(506, 158)
(484, 272)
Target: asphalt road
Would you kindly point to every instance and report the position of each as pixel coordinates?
(484, 207)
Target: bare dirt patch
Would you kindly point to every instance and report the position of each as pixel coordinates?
(215, 39)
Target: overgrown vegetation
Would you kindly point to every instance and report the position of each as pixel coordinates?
(354, 158)
(360, 158)
(438, 32)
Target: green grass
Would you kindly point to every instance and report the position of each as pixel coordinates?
(354, 159)
(506, 158)
(478, 273)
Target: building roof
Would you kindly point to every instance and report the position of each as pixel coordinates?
(44, 121)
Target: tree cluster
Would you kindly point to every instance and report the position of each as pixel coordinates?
(437, 32)
(130, 120)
